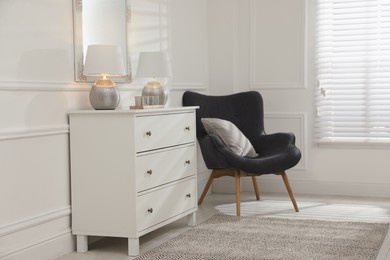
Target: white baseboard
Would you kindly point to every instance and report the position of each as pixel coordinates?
(276, 185)
(43, 236)
(46, 249)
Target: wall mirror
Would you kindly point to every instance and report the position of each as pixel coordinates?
(101, 22)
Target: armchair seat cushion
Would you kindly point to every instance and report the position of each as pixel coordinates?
(232, 137)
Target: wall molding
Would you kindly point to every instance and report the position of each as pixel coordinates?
(46, 246)
(197, 86)
(34, 220)
(277, 86)
(274, 184)
(188, 86)
(61, 86)
(255, 84)
(43, 86)
(236, 47)
(309, 187)
(32, 132)
(301, 118)
(50, 247)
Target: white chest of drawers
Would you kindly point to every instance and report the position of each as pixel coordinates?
(132, 171)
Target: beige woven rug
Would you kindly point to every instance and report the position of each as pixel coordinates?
(226, 237)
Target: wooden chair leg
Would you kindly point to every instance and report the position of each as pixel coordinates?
(238, 190)
(289, 190)
(206, 188)
(256, 187)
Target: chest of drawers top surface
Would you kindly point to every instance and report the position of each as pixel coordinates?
(153, 111)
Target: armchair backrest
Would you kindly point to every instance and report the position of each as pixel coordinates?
(244, 109)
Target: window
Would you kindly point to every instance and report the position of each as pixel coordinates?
(353, 71)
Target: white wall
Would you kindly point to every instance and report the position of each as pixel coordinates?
(217, 47)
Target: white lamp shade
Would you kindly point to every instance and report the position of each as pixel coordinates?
(153, 65)
(104, 60)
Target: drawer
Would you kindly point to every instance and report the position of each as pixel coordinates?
(160, 167)
(162, 204)
(158, 131)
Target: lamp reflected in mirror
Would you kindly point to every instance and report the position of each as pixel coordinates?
(154, 65)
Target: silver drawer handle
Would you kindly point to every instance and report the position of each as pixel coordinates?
(187, 128)
(149, 172)
(188, 195)
(188, 162)
(150, 210)
(148, 133)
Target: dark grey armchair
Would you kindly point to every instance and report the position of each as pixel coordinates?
(276, 152)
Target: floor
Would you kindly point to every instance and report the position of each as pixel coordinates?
(276, 205)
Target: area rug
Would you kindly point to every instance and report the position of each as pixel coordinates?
(224, 237)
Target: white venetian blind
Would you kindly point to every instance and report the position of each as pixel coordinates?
(353, 71)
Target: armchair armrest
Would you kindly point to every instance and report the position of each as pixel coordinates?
(267, 143)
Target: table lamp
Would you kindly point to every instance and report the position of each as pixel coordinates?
(104, 61)
(154, 65)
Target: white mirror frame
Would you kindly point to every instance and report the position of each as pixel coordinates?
(78, 43)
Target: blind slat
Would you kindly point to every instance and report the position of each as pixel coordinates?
(353, 70)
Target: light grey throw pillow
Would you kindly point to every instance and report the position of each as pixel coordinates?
(230, 135)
